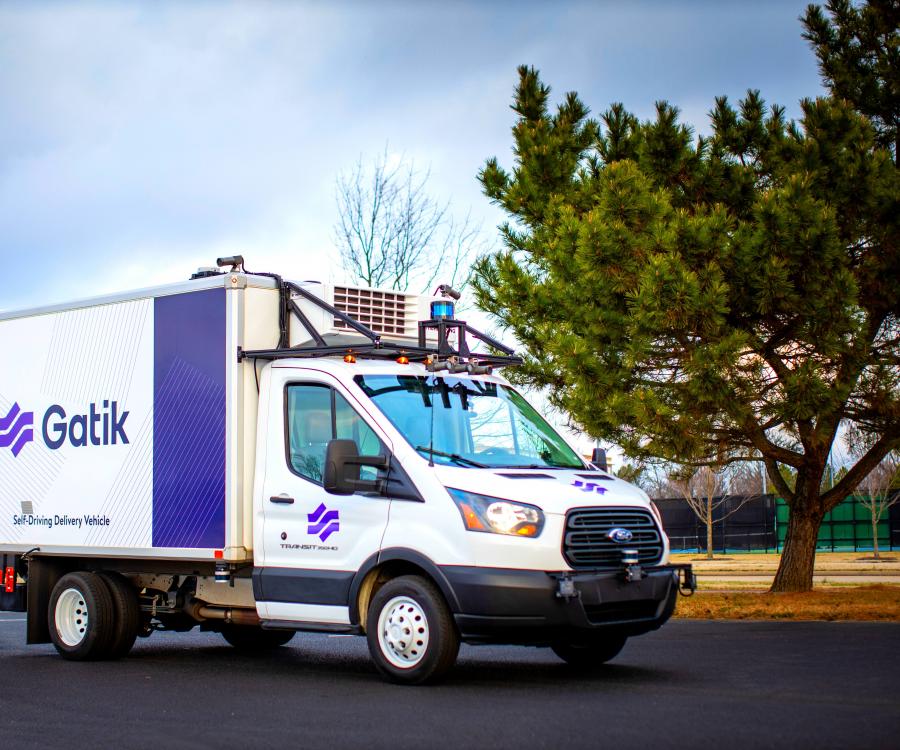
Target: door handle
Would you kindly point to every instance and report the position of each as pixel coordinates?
(282, 499)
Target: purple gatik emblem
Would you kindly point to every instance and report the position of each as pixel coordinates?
(16, 429)
(323, 522)
(589, 487)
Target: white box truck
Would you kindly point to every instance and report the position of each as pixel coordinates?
(258, 457)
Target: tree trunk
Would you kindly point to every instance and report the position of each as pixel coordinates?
(874, 535)
(795, 571)
(709, 529)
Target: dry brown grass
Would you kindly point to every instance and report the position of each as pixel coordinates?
(826, 562)
(873, 602)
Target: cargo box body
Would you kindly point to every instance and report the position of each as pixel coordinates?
(127, 424)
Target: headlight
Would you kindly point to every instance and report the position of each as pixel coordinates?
(492, 515)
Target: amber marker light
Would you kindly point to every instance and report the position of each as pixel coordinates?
(402, 360)
(350, 358)
(473, 522)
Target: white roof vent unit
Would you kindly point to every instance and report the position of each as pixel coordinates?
(387, 313)
(391, 314)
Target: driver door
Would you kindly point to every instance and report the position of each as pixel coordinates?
(314, 542)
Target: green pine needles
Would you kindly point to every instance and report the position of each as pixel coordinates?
(706, 300)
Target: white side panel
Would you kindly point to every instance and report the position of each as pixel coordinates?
(234, 517)
(76, 448)
(258, 330)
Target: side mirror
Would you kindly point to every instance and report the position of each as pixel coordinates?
(342, 462)
(598, 458)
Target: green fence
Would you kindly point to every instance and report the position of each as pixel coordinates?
(846, 528)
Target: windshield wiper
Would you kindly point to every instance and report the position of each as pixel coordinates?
(452, 456)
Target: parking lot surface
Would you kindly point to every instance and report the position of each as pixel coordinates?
(693, 683)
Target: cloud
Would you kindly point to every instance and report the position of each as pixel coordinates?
(138, 141)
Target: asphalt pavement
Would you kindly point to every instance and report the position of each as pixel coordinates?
(691, 684)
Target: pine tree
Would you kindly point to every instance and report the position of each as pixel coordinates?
(858, 48)
(707, 300)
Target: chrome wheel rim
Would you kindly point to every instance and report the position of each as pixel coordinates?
(403, 632)
(71, 617)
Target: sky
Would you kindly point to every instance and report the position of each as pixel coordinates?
(139, 141)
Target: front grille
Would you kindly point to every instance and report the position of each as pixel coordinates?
(586, 543)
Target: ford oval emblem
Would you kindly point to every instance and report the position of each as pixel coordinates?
(620, 535)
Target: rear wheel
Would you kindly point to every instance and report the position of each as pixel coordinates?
(590, 652)
(81, 617)
(251, 639)
(411, 634)
(127, 613)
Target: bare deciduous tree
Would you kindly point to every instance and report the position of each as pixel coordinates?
(705, 489)
(747, 478)
(881, 492)
(392, 233)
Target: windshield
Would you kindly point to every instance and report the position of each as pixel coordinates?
(466, 422)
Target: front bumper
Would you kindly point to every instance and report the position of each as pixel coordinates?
(525, 606)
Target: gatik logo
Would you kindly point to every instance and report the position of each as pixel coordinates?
(104, 425)
(16, 429)
(323, 522)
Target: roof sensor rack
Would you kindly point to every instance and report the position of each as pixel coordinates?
(442, 356)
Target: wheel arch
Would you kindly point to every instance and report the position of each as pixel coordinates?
(391, 563)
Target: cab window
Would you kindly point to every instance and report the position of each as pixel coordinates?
(317, 414)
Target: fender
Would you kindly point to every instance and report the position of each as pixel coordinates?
(403, 555)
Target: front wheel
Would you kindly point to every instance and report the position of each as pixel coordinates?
(590, 653)
(411, 634)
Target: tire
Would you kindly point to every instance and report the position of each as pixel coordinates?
(127, 614)
(81, 617)
(251, 639)
(411, 634)
(586, 654)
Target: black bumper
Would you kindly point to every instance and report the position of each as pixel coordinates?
(525, 606)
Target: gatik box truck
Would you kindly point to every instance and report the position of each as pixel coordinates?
(258, 457)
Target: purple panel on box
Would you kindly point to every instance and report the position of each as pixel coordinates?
(189, 420)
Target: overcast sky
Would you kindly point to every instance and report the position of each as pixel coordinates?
(141, 140)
